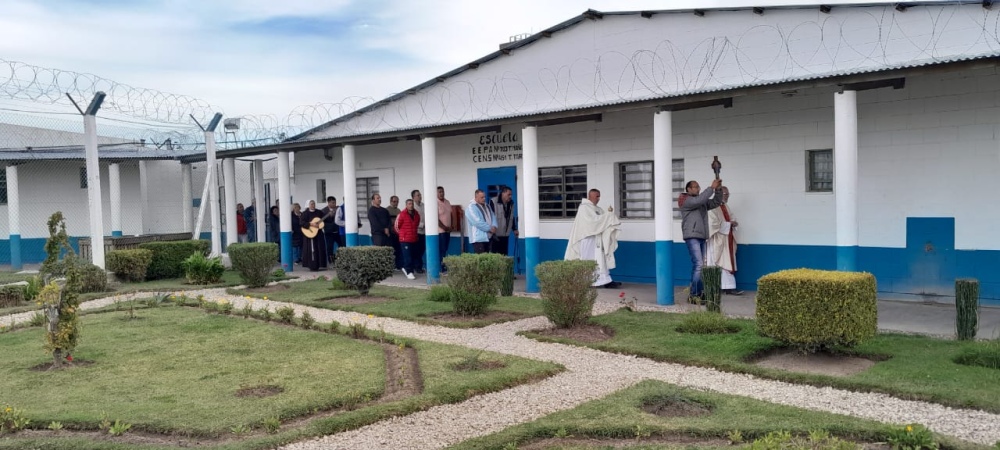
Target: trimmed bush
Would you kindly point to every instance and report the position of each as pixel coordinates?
(439, 293)
(361, 267)
(816, 309)
(707, 322)
(254, 262)
(567, 298)
(129, 265)
(475, 281)
(201, 270)
(92, 278)
(711, 276)
(11, 296)
(168, 256)
(967, 308)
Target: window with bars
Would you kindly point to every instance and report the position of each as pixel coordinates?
(320, 192)
(819, 170)
(560, 190)
(366, 188)
(3, 187)
(636, 189)
(83, 178)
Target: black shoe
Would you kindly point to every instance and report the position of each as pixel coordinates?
(420, 271)
(611, 285)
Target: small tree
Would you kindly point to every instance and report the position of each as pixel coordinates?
(60, 303)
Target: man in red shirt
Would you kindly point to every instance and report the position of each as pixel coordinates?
(406, 227)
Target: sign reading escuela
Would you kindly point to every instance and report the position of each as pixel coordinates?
(497, 147)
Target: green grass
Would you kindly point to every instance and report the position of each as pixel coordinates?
(12, 277)
(619, 416)
(176, 370)
(918, 368)
(407, 304)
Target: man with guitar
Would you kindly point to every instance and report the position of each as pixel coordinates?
(313, 239)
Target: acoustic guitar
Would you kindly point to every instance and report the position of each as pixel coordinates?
(311, 232)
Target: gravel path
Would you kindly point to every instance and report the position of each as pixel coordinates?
(591, 375)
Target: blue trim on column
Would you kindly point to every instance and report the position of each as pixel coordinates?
(433, 253)
(15, 252)
(847, 259)
(352, 239)
(116, 234)
(286, 251)
(532, 253)
(664, 273)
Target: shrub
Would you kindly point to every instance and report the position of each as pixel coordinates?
(814, 309)
(361, 267)
(711, 276)
(92, 278)
(967, 308)
(11, 296)
(707, 322)
(982, 354)
(507, 281)
(567, 298)
(286, 314)
(912, 437)
(439, 293)
(33, 288)
(201, 270)
(168, 256)
(12, 419)
(307, 321)
(475, 281)
(254, 262)
(129, 265)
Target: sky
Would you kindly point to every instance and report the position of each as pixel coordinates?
(264, 57)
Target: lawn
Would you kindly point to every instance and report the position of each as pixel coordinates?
(406, 303)
(917, 367)
(175, 371)
(620, 417)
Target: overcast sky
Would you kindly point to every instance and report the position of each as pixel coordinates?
(268, 56)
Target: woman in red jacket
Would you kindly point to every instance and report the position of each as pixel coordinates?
(406, 227)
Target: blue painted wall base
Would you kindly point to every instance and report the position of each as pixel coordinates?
(433, 253)
(847, 259)
(116, 234)
(286, 251)
(15, 252)
(351, 240)
(664, 273)
(533, 256)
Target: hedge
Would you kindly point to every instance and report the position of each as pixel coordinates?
(361, 267)
(567, 295)
(475, 280)
(168, 256)
(254, 261)
(815, 309)
(129, 265)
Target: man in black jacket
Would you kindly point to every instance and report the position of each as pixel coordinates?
(378, 217)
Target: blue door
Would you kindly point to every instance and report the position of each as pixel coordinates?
(490, 181)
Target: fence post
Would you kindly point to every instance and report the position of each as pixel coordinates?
(94, 180)
(14, 217)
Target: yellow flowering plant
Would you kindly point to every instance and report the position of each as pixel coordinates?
(912, 437)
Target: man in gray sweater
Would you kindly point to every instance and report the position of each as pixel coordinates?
(694, 205)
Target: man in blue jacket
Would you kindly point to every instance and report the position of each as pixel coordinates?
(694, 206)
(482, 223)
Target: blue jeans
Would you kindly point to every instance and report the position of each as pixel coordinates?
(296, 253)
(407, 250)
(696, 248)
(444, 240)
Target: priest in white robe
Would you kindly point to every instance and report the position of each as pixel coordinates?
(595, 236)
(722, 242)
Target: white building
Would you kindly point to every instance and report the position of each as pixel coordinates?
(853, 138)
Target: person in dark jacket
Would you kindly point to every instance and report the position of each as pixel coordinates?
(378, 218)
(406, 228)
(330, 229)
(296, 233)
(274, 223)
(694, 205)
(313, 248)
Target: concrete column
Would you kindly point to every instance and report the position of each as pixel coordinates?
(845, 178)
(261, 210)
(350, 196)
(285, 211)
(115, 187)
(147, 217)
(532, 224)
(663, 211)
(229, 173)
(428, 146)
(14, 218)
(213, 190)
(94, 190)
(186, 201)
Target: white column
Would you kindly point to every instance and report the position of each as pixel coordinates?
(186, 197)
(94, 190)
(229, 173)
(14, 217)
(285, 211)
(261, 209)
(147, 217)
(213, 191)
(663, 211)
(115, 187)
(350, 196)
(845, 181)
(428, 147)
(532, 224)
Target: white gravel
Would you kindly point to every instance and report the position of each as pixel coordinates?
(590, 375)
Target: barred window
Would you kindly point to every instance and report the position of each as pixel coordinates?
(560, 190)
(819, 170)
(635, 190)
(677, 178)
(366, 188)
(83, 178)
(320, 192)
(3, 187)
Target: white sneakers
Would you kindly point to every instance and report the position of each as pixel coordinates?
(409, 275)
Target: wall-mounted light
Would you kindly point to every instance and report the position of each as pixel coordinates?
(758, 10)
(901, 7)
(825, 9)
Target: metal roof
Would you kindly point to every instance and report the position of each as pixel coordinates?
(77, 153)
